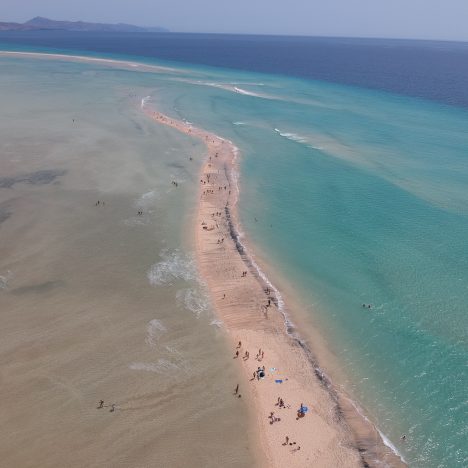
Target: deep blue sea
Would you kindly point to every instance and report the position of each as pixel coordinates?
(428, 69)
(354, 182)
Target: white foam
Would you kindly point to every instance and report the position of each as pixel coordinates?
(238, 123)
(144, 101)
(245, 92)
(292, 136)
(193, 300)
(4, 280)
(298, 139)
(154, 330)
(173, 266)
(216, 323)
(384, 438)
(232, 88)
(389, 444)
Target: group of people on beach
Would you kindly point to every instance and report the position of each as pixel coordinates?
(260, 373)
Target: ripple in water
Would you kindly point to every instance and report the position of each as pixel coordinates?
(160, 367)
(193, 300)
(173, 266)
(154, 330)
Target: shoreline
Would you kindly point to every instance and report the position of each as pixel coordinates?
(335, 432)
(362, 442)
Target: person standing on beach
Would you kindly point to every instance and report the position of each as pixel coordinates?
(101, 404)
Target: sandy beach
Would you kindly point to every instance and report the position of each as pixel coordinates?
(250, 310)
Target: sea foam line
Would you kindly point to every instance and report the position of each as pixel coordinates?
(144, 101)
(384, 438)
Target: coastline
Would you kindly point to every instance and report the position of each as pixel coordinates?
(334, 432)
(251, 327)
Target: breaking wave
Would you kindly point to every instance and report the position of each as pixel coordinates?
(154, 330)
(297, 138)
(144, 101)
(173, 266)
(193, 300)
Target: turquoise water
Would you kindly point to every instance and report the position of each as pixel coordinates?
(360, 197)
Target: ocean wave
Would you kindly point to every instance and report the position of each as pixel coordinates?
(298, 139)
(386, 441)
(173, 266)
(216, 323)
(245, 92)
(292, 136)
(144, 101)
(193, 300)
(154, 330)
(233, 87)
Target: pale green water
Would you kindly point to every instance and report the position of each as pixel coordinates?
(361, 197)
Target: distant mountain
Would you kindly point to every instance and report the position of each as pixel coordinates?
(39, 23)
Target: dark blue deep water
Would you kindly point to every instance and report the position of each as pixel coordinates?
(427, 69)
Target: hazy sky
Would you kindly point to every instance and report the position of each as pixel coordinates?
(430, 19)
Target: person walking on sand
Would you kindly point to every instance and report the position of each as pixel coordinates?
(236, 390)
(239, 344)
(286, 442)
(112, 408)
(237, 354)
(101, 404)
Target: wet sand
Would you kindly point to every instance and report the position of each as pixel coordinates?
(250, 310)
